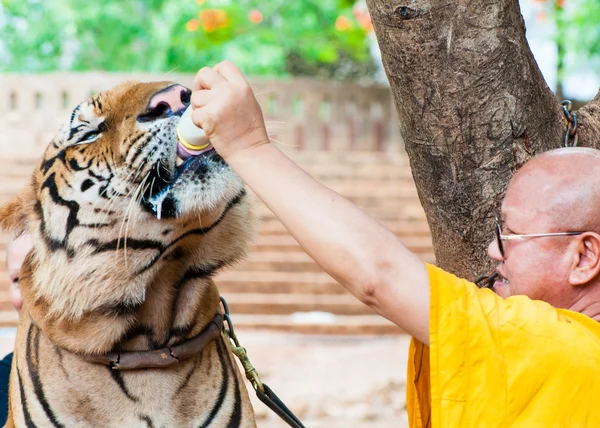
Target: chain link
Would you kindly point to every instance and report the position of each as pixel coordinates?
(570, 139)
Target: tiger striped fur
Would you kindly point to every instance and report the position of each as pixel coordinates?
(106, 274)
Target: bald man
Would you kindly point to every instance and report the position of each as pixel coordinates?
(528, 356)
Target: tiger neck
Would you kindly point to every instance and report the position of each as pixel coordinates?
(172, 313)
(175, 307)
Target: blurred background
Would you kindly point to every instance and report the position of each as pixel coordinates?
(316, 70)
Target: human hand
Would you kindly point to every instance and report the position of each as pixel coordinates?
(226, 109)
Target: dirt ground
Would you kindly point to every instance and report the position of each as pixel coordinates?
(328, 381)
(332, 381)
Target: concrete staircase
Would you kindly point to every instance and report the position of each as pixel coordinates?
(278, 286)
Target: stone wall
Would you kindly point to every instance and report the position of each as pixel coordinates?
(304, 114)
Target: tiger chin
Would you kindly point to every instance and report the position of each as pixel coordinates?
(127, 237)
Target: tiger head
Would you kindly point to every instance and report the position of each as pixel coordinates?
(119, 219)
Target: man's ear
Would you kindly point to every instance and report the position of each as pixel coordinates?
(13, 216)
(586, 264)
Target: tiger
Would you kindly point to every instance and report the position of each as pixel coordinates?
(128, 234)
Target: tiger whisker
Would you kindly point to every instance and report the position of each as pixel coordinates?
(137, 170)
(110, 199)
(171, 71)
(136, 199)
(109, 204)
(130, 193)
(126, 220)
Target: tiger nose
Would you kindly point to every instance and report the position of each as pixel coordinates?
(169, 101)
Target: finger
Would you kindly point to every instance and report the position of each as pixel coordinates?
(201, 119)
(207, 78)
(230, 71)
(200, 98)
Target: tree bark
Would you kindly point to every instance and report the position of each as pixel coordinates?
(473, 107)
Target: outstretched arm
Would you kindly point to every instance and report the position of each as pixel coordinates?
(355, 249)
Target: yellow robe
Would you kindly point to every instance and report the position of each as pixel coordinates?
(502, 363)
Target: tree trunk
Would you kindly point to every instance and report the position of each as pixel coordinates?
(473, 107)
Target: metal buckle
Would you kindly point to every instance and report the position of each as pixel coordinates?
(240, 351)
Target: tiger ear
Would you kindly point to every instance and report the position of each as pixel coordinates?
(13, 216)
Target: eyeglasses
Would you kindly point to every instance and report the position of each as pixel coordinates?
(500, 237)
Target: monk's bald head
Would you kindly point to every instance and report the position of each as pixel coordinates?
(558, 190)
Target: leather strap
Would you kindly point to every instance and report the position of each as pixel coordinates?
(166, 357)
(163, 357)
(272, 401)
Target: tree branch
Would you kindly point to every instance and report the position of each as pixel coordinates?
(589, 123)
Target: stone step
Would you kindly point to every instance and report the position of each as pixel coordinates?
(278, 283)
(315, 323)
(406, 230)
(275, 261)
(354, 157)
(5, 304)
(307, 323)
(238, 282)
(402, 228)
(408, 212)
(373, 205)
(292, 261)
(280, 304)
(278, 243)
(392, 204)
(9, 317)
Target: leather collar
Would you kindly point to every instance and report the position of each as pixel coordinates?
(164, 357)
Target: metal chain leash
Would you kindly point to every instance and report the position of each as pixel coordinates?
(263, 392)
(570, 139)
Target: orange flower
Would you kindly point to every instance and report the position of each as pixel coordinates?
(213, 19)
(342, 23)
(364, 20)
(541, 16)
(560, 3)
(192, 25)
(200, 2)
(367, 25)
(255, 16)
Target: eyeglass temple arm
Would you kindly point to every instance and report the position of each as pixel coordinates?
(537, 235)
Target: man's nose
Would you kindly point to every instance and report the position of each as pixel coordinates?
(170, 101)
(494, 251)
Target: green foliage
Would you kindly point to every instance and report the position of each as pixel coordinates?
(270, 38)
(32, 35)
(585, 34)
(577, 32)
